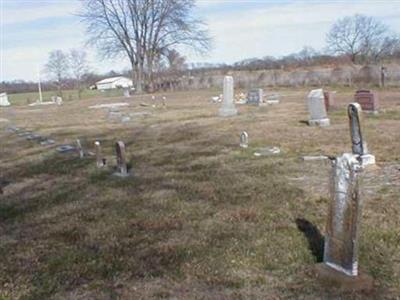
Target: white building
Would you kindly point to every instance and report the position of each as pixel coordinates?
(114, 83)
(4, 100)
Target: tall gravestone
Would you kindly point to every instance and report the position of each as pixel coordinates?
(359, 145)
(316, 108)
(228, 106)
(122, 168)
(341, 240)
(340, 262)
(244, 139)
(100, 161)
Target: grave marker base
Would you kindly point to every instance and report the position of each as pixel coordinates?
(368, 159)
(227, 112)
(333, 278)
(122, 175)
(319, 122)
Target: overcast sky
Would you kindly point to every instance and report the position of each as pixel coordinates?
(241, 29)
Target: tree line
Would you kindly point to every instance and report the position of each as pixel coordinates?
(151, 33)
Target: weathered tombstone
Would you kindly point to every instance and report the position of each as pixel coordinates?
(316, 108)
(368, 100)
(244, 139)
(47, 142)
(4, 100)
(126, 93)
(383, 76)
(359, 145)
(329, 98)
(79, 148)
(100, 161)
(65, 148)
(273, 99)
(342, 230)
(340, 263)
(255, 97)
(228, 106)
(122, 168)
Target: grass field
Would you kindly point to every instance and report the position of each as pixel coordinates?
(200, 218)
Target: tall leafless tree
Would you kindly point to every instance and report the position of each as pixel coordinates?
(57, 68)
(360, 36)
(79, 67)
(143, 30)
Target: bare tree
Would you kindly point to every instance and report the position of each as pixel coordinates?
(142, 30)
(57, 68)
(79, 67)
(359, 36)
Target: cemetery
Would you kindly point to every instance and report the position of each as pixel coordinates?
(197, 199)
(199, 149)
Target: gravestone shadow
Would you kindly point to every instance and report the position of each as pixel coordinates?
(303, 122)
(314, 237)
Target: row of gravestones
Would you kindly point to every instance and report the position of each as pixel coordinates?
(340, 259)
(319, 102)
(122, 170)
(30, 136)
(253, 97)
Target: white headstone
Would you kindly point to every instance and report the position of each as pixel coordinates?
(316, 108)
(228, 106)
(244, 139)
(126, 93)
(4, 100)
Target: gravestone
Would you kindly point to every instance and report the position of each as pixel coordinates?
(316, 108)
(228, 106)
(47, 142)
(340, 263)
(329, 98)
(100, 161)
(126, 93)
(122, 168)
(359, 145)
(273, 99)
(65, 148)
(79, 148)
(341, 240)
(244, 139)
(255, 97)
(4, 100)
(368, 100)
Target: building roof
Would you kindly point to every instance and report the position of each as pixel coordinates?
(111, 80)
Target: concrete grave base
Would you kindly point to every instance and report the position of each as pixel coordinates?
(227, 112)
(368, 159)
(372, 112)
(118, 174)
(333, 278)
(319, 122)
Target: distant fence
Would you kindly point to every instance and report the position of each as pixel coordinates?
(340, 76)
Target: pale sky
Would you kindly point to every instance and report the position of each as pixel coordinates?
(241, 29)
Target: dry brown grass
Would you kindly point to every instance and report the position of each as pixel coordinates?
(200, 218)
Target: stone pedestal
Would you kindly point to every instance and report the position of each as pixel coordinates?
(228, 107)
(368, 160)
(320, 122)
(333, 278)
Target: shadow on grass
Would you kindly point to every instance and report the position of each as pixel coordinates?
(314, 237)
